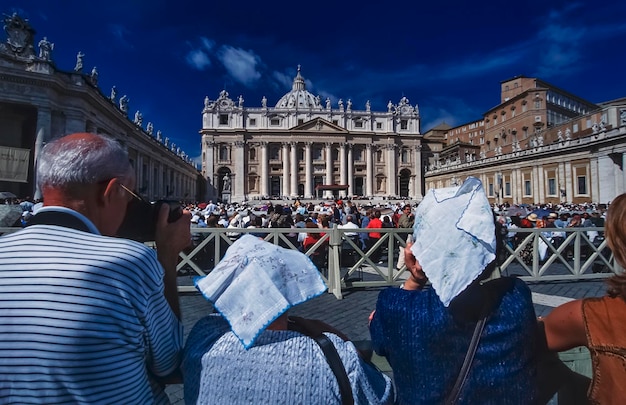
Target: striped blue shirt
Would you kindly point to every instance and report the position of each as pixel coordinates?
(83, 319)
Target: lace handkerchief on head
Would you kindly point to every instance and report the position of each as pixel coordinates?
(454, 237)
(256, 282)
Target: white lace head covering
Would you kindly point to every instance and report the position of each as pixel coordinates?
(454, 237)
(258, 281)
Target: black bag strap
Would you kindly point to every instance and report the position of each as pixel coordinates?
(336, 365)
(58, 218)
(453, 396)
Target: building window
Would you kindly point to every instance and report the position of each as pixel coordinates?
(300, 121)
(507, 189)
(252, 154)
(275, 122)
(379, 156)
(490, 189)
(404, 124)
(224, 155)
(274, 152)
(527, 188)
(358, 124)
(404, 156)
(552, 187)
(317, 153)
(524, 107)
(537, 104)
(582, 185)
(223, 119)
(335, 122)
(252, 122)
(379, 125)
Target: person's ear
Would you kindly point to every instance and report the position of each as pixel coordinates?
(109, 191)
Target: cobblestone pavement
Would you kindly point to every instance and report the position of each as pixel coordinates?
(351, 313)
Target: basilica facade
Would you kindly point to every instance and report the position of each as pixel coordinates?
(304, 147)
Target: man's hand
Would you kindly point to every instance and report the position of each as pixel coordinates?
(171, 239)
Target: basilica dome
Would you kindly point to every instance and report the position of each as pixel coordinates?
(298, 97)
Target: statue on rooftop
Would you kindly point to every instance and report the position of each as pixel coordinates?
(368, 106)
(150, 128)
(349, 105)
(159, 135)
(79, 62)
(113, 94)
(20, 36)
(94, 76)
(138, 118)
(124, 103)
(264, 102)
(240, 101)
(328, 103)
(389, 106)
(45, 49)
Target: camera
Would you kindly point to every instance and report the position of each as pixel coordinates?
(141, 217)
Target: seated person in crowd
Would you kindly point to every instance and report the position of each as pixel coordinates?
(252, 352)
(425, 331)
(599, 323)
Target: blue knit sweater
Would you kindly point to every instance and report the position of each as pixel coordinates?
(283, 367)
(426, 348)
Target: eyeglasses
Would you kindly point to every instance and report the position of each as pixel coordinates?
(131, 192)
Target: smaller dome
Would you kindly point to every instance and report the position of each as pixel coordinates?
(298, 97)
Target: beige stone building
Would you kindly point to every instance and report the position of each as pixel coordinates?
(540, 144)
(305, 147)
(39, 102)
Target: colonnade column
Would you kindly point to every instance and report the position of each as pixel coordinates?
(329, 169)
(392, 173)
(139, 180)
(241, 174)
(294, 169)
(308, 169)
(44, 122)
(370, 170)
(350, 170)
(342, 169)
(265, 170)
(285, 169)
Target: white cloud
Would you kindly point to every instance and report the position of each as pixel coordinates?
(283, 79)
(240, 64)
(198, 59)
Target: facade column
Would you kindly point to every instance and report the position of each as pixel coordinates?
(139, 180)
(44, 122)
(294, 169)
(350, 170)
(329, 169)
(238, 191)
(265, 170)
(392, 173)
(308, 169)
(208, 169)
(285, 191)
(418, 188)
(369, 169)
(342, 169)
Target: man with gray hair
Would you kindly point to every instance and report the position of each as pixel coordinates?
(87, 317)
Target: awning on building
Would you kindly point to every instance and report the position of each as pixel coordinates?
(331, 187)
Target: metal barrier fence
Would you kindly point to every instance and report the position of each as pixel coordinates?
(531, 254)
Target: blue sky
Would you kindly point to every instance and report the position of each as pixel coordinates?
(448, 57)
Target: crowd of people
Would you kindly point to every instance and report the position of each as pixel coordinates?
(90, 317)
